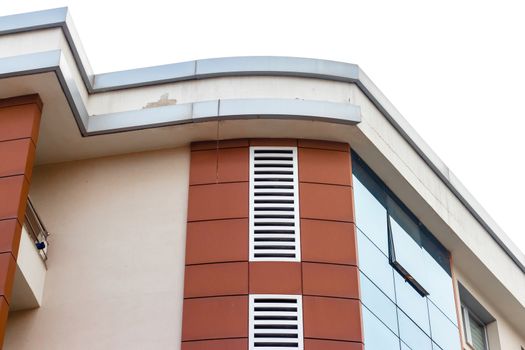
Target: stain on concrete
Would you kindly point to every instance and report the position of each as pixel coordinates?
(163, 101)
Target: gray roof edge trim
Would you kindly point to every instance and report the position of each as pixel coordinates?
(32, 63)
(225, 109)
(311, 68)
(440, 169)
(24, 22)
(52, 18)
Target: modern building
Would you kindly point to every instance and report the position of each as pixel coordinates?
(233, 203)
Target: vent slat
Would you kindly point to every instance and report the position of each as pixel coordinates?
(273, 255)
(274, 325)
(274, 239)
(270, 161)
(274, 177)
(270, 208)
(274, 213)
(278, 302)
(269, 230)
(276, 322)
(274, 204)
(273, 221)
(271, 190)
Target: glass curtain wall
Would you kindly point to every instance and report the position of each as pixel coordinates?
(406, 283)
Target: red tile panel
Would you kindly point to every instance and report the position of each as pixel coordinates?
(19, 126)
(223, 165)
(234, 164)
(17, 157)
(215, 318)
(7, 275)
(197, 146)
(203, 167)
(216, 279)
(330, 280)
(21, 121)
(13, 195)
(275, 277)
(322, 166)
(317, 344)
(332, 318)
(218, 201)
(10, 231)
(4, 311)
(328, 242)
(21, 100)
(219, 344)
(217, 241)
(328, 145)
(326, 202)
(274, 142)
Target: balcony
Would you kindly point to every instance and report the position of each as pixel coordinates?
(31, 265)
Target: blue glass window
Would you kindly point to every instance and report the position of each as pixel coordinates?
(406, 251)
(411, 334)
(412, 303)
(439, 285)
(374, 264)
(404, 346)
(377, 302)
(444, 332)
(404, 268)
(370, 213)
(377, 335)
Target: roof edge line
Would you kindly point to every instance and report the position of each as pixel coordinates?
(230, 109)
(264, 66)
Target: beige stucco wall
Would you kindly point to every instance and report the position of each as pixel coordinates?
(116, 257)
(501, 334)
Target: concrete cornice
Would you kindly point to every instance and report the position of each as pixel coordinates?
(223, 67)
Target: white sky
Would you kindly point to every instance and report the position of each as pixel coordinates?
(455, 69)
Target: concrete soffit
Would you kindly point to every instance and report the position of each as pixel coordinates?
(341, 113)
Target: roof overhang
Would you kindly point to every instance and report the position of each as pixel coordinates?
(87, 115)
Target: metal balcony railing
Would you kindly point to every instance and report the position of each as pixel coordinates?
(36, 229)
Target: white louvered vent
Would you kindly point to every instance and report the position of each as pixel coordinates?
(274, 204)
(276, 322)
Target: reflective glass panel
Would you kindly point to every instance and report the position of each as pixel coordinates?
(404, 346)
(377, 335)
(370, 215)
(406, 250)
(444, 332)
(403, 266)
(374, 264)
(378, 303)
(435, 346)
(439, 287)
(412, 303)
(411, 334)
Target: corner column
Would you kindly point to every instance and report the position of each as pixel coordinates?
(215, 314)
(330, 277)
(19, 127)
(219, 278)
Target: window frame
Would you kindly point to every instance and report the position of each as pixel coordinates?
(364, 174)
(398, 266)
(467, 314)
